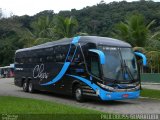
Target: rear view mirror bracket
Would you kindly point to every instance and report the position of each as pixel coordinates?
(143, 57)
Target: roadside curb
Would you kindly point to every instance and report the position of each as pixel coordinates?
(148, 98)
(149, 83)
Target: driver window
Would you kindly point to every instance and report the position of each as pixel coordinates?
(94, 64)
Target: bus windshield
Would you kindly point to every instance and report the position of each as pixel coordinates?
(120, 64)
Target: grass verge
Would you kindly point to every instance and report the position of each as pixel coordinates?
(150, 93)
(32, 109)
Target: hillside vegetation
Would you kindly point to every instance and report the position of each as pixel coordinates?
(135, 22)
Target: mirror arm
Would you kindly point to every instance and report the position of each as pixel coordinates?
(143, 57)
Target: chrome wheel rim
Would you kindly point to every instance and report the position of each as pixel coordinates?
(30, 87)
(24, 86)
(78, 93)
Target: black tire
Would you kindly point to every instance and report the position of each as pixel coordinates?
(30, 87)
(25, 86)
(78, 93)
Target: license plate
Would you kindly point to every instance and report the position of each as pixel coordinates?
(125, 95)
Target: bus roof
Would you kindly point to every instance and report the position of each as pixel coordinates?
(83, 39)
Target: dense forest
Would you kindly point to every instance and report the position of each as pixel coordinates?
(135, 22)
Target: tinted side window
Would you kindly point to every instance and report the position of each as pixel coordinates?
(71, 53)
(95, 67)
(93, 64)
(61, 52)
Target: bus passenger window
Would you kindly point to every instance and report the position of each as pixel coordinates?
(22, 60)
(40, 59)
(30, 59)
(17, 60)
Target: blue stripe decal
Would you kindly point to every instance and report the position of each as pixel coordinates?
(74, 53)
(66, 64)
(101, 55)
(106, 95)
(68, 52)
(143, 57)
(75, 40)
(88, 82)
(60, 75)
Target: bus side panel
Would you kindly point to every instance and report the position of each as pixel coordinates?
(49, 73)
(20, 74)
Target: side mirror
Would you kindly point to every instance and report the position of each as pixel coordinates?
(143, 57)
(100, 54)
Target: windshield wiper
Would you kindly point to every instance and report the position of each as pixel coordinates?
(124, 67)
(128, 70)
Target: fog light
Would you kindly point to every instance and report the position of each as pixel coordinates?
(108, 95)
(97, 92)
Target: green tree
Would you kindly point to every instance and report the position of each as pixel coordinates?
(43, 27)
(65, 27)
(41, 32)
(134, 30)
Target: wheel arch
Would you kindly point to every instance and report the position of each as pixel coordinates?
(23, 79)
(74, 84)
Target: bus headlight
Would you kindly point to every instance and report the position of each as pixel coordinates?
(105, 87)
(138, 86)
(108, 95)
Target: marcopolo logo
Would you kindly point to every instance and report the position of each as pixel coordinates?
(38, 72)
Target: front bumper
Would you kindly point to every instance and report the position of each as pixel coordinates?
(104, 95)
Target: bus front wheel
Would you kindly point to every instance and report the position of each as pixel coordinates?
(78, 94)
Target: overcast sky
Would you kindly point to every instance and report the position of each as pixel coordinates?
(31, 7)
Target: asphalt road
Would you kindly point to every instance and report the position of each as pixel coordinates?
(136, 106)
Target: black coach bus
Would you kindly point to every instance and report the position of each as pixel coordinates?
(83, 66)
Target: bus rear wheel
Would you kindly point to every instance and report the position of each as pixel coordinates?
(30, 87)
(78, 94)
(25, 86)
